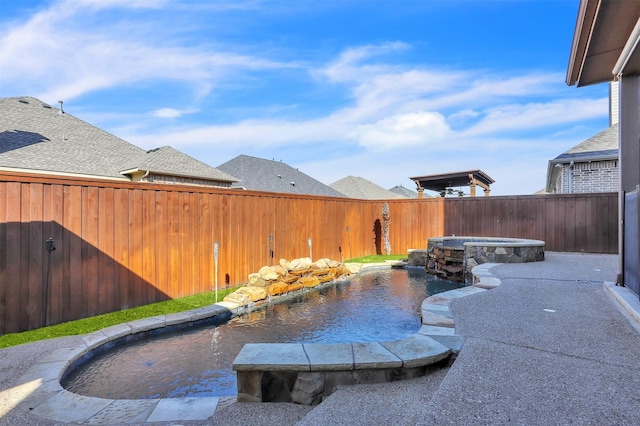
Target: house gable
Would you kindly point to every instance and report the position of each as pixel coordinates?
(259, 174)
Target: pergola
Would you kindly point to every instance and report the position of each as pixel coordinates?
(445, 182)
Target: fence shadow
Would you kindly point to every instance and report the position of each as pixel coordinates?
(67, 278)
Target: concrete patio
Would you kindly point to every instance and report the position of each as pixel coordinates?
(546, 346)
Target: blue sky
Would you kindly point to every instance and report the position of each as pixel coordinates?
(382, 89)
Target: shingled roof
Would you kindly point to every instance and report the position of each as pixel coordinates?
(360, 188)
(404, 191)
(169, 161)
(602, 146)
(37, 137)
(259, 174)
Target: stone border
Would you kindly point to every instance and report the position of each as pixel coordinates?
(308, 373)
(39, 392)
(480, 250)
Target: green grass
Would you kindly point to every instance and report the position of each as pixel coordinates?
(88, 325)
(376, 258)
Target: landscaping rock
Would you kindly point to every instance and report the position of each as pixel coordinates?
(308, 389)
(237, 298)
(254, 293)
(277, 288)
(268, 274)
(255, 280)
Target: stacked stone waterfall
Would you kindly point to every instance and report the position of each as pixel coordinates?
(288, 276)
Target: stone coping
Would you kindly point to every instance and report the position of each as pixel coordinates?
(39, 392)
(489, 241)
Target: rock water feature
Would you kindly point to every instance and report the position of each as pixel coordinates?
(288, 276)
(453, 258)
(446, 262)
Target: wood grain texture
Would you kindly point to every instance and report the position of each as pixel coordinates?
(121, 245)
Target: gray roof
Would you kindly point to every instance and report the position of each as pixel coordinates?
(404, 191)
(259, 174)
(168, 161)
(35, 136)
(360, 188)
(602, 146)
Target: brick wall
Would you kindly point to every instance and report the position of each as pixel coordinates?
(595, 176)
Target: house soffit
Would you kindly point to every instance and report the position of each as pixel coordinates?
(602, 30)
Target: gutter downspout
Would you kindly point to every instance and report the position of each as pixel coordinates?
(570, 178)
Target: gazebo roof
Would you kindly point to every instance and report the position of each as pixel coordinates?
(443, 181)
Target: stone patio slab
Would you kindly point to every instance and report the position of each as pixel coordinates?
(272, 357)
(374, 355)
(178, 318)
(116, 331)
(67, 407)
(64, 354)
(430, 330)
(437, 309)
(454, 343)
(147, 324)
(431, 318)
(44, 371)
(417, 350)
(96, 338)
(183, 409)
(330, 357)
(124, 411)
(30, 394)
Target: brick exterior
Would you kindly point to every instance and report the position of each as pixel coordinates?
(596, 176)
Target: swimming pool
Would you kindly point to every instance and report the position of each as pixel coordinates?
(377, 305)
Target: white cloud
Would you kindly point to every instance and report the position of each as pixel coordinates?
(68, 51)
(172, 112)
(348, 66)
(403, 130)
(511, 117)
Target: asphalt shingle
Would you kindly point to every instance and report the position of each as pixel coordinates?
(259, 174)
(360, 188)
(35, 136)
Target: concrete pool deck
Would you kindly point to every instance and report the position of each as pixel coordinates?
(546, 347)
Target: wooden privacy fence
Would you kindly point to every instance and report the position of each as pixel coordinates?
(566, 222)
(120, 245)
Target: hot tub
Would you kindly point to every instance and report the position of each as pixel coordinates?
(454, 257)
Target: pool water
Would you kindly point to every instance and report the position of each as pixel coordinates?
(379, 305)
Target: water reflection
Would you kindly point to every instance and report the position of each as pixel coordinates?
(379, 306)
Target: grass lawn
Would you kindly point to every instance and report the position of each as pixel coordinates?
(88, 325)
(377, 258)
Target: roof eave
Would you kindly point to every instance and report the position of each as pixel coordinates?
(581, 35)
(596, 49)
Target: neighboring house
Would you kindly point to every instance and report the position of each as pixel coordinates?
(404, 191)
(38, 138)
(259, 174)
(360, 188)
(591, 166)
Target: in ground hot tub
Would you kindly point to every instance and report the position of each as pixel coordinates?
(453, 257)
